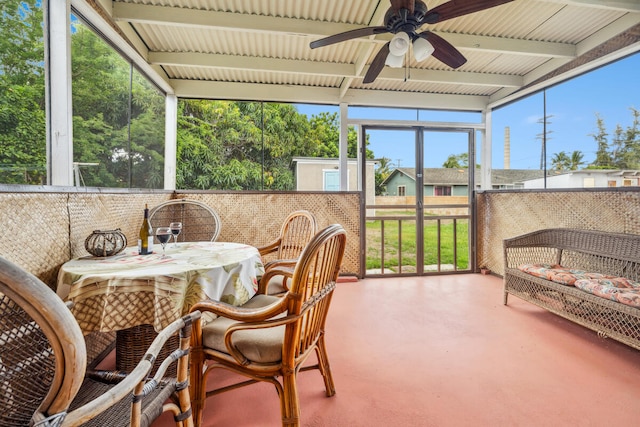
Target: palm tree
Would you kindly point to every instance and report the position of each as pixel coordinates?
(560, 161)
(576, 160)
(381, 173)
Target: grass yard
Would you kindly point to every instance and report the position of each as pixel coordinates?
(400, 243)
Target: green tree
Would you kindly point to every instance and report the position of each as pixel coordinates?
(199, 150)
(564, 161)
(382, 172)
(560, 161)
(325, 134)
(626, 145)
(577, 160)
(221, 145)
(228, 145)
(280, 136)
(457, 161)
(121, 131)
(22, 104)
(603, 156)
(624, 150)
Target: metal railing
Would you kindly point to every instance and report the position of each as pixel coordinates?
(392, 242)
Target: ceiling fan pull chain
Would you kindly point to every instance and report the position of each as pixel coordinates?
(407, 71)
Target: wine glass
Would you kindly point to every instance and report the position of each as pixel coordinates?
(163, 234)
(176, 228)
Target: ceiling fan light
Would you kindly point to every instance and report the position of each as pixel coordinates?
(422, 49)
(394, 61)
(399, 44)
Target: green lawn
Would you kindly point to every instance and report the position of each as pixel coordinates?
(400, 236)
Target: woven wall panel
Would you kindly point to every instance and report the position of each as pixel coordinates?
(35, 232)
(38, 236)
(507, 214)
(256, 218)
(97, 211)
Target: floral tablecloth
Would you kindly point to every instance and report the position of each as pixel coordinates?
(126, 290)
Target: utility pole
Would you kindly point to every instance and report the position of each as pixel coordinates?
(544, 137)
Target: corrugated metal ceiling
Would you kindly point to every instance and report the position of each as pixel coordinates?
(262, 47)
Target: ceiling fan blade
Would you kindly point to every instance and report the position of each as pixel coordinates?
(444, 51)
(377, 64)
(348, 35)
(455, 8)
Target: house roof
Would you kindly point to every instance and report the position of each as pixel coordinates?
(259, 50)
(452, 176)
(327, 160)
(618, 172)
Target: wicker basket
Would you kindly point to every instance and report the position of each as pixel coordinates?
(105, 243)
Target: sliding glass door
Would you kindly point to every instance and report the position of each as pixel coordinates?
(420, 221)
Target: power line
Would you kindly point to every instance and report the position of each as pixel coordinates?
(544, 138)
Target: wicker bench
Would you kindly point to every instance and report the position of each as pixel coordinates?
(594, 251)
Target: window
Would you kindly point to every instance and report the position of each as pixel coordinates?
(627, 183)
(442, 190)
(237, 145)
(589, 182)
(23, 153)
(118, 117)
(331, 180)
(611, 184)
(402, 190)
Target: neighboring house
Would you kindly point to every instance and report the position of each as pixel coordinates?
(502, 179)
(589, 178)
(453, 181)
(322, 174)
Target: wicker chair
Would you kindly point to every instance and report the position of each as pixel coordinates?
(199, 222)
(43, 363)
(297, 230)
(271, 337)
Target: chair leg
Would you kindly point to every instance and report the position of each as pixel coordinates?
(183, 396)
(197, 386)
(289, 399)
(324, 367)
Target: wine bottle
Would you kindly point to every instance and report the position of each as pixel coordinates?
(145, 238)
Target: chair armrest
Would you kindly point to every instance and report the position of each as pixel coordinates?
(269, 248)
(284, 268)
(241, 313)
(278, 263)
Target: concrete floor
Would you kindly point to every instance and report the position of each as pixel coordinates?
(445, 351)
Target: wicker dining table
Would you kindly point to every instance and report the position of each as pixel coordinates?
(138, 295)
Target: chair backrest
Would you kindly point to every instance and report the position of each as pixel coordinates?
(309, 297)
(297, 230)
(42, 350)
(199, 222)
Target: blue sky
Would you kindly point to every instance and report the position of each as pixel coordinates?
(572, 107)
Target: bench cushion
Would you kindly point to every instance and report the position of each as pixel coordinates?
(617, 289)
(613, 288)
(559, 274)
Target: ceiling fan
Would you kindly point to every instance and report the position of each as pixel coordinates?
(403, 19)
